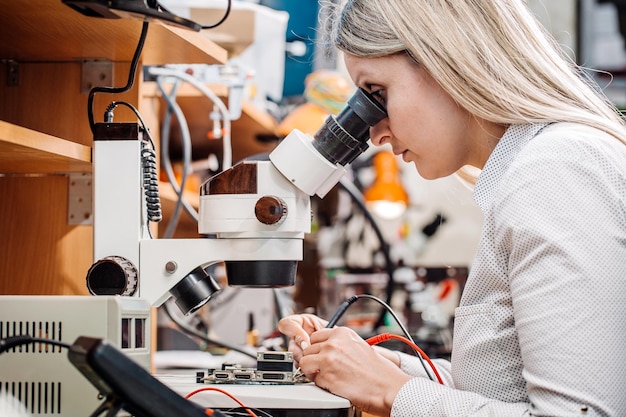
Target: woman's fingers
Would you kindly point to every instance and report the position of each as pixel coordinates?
(298, 328)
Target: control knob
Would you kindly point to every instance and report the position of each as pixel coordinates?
(270, 210)
(112, 275)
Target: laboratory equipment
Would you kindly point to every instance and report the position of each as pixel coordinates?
(254, 215)
(134, 9)
(126, 385)
(38, 376)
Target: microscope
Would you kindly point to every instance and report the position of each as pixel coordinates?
(253, 216)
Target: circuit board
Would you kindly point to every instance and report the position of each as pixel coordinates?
(272, 368)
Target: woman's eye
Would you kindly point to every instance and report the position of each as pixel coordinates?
(379, 96)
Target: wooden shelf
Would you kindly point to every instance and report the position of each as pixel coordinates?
(252, 123)
(169, 196)
(235, 34)
(27, 151)
(44, 128)
(35, 32)
(245, 131)
(150, 89)
(48, 30)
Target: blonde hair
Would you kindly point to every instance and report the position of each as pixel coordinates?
(492, 57)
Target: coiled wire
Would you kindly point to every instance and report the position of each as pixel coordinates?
(148, 164)
(151, 183)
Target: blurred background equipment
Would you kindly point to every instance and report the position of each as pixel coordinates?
(386, 197)
(325, 93)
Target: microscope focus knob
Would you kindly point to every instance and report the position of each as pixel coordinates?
(113, 275)
(270, 210)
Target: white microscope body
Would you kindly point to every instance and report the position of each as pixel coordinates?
(254, 215)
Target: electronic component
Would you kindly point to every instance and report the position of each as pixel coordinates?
(274, 361)
(134, 9)
(272, 368)
(38, 375)
(235, 374)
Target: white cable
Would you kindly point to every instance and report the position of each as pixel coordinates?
(166, 162)
(227, 157)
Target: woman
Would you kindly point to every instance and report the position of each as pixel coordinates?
(540, 329)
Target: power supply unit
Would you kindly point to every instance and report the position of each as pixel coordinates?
(38, 376)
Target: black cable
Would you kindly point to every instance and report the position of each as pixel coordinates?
(236, 411)
(15, 341)
(219, 22)
(201, 336)
(108, 117)
(214, 25)
(111, 406)
(357, 198)
(348, 302)
(131, 77)
(343, 307)
(151, 184)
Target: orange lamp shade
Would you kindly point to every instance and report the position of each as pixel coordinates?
(386, 196)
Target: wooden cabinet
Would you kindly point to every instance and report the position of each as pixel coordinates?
(45, 48)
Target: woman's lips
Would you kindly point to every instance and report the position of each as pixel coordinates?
(403, 154)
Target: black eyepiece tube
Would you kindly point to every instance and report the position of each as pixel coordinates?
(344, 137)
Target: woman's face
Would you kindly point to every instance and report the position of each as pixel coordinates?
(425, 125)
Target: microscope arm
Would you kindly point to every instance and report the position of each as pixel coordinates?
(165, 262)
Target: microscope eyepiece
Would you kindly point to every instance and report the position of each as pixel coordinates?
(344, 137)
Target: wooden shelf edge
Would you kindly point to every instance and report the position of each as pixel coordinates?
(167, 194)
(50, 31)
(24, 150)
(168, 44)
(150, 89)
(262, 118)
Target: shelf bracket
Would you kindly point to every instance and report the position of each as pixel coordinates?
(80, 207)
(96, 73)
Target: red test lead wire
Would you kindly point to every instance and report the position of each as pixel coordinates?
(384, 337)
(192, 393)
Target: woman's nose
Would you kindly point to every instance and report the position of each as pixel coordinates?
(380, 133)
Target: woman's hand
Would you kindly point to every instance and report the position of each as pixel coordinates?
(298, 328)
(340, 361)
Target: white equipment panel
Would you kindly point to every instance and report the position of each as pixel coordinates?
(38, 376)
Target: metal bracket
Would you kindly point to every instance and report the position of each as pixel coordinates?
(96, 73)
(13, 73)
(80, 207)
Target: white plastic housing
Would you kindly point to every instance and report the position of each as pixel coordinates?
(232, 215)
(303, 166)
(40, 376)
(118, 199)
(187, 254)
